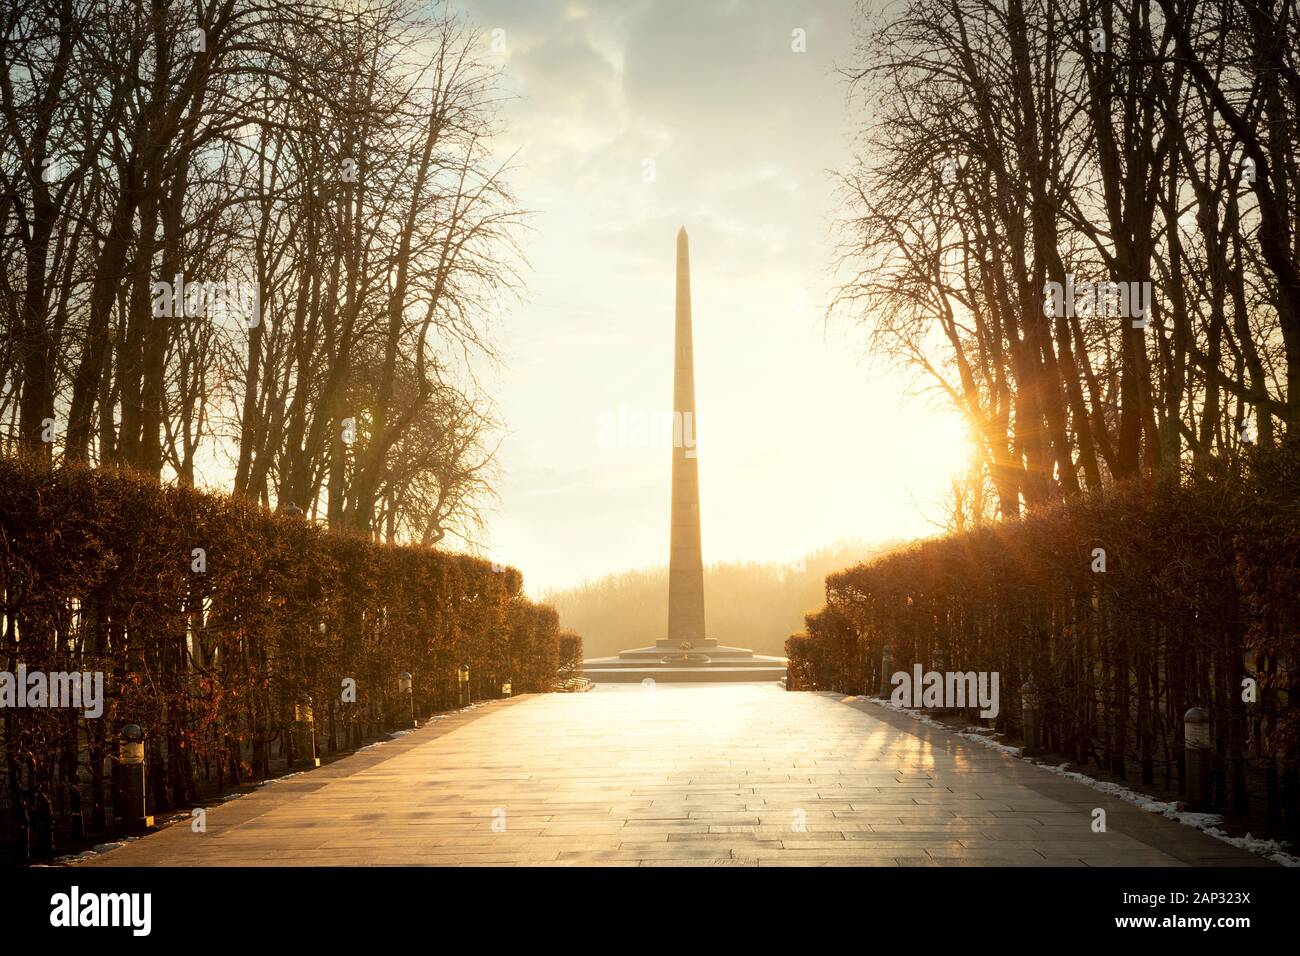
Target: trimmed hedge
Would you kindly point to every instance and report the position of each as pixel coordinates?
(1201, 591)
(570, 653)
(209, 617)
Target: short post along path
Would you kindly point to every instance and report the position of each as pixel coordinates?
(685, 774)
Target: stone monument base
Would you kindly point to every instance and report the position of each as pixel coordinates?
(704, 661)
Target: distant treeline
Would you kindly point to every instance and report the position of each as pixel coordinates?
(210, 618)
(1125, 609)
(750, 605)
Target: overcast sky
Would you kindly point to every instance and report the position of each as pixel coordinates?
(632, 119)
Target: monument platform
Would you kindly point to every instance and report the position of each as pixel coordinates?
(705, 661)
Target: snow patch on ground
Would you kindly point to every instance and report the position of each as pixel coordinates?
(287, 776)
(115, 845)
(393, 735)
(92, 853)
(985, 736)
(1205, 822)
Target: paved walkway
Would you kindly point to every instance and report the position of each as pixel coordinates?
(682, 775)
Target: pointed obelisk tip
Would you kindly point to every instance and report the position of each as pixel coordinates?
(681, 234)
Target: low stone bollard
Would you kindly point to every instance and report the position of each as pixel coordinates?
(304, 734)
(1031, 719)
(462, 684)
(406, 697)
(130, 805)
(1198, 756)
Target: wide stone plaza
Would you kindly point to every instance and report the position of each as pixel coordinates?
(681, 774)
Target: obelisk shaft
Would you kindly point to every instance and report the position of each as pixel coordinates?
(685, 561)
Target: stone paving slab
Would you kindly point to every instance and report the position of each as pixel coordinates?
(686, 775)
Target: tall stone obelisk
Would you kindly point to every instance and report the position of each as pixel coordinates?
(685, 561)
(706, 659)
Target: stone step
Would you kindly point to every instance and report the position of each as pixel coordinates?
(772, 670)
(655, 653)
(618, 663)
